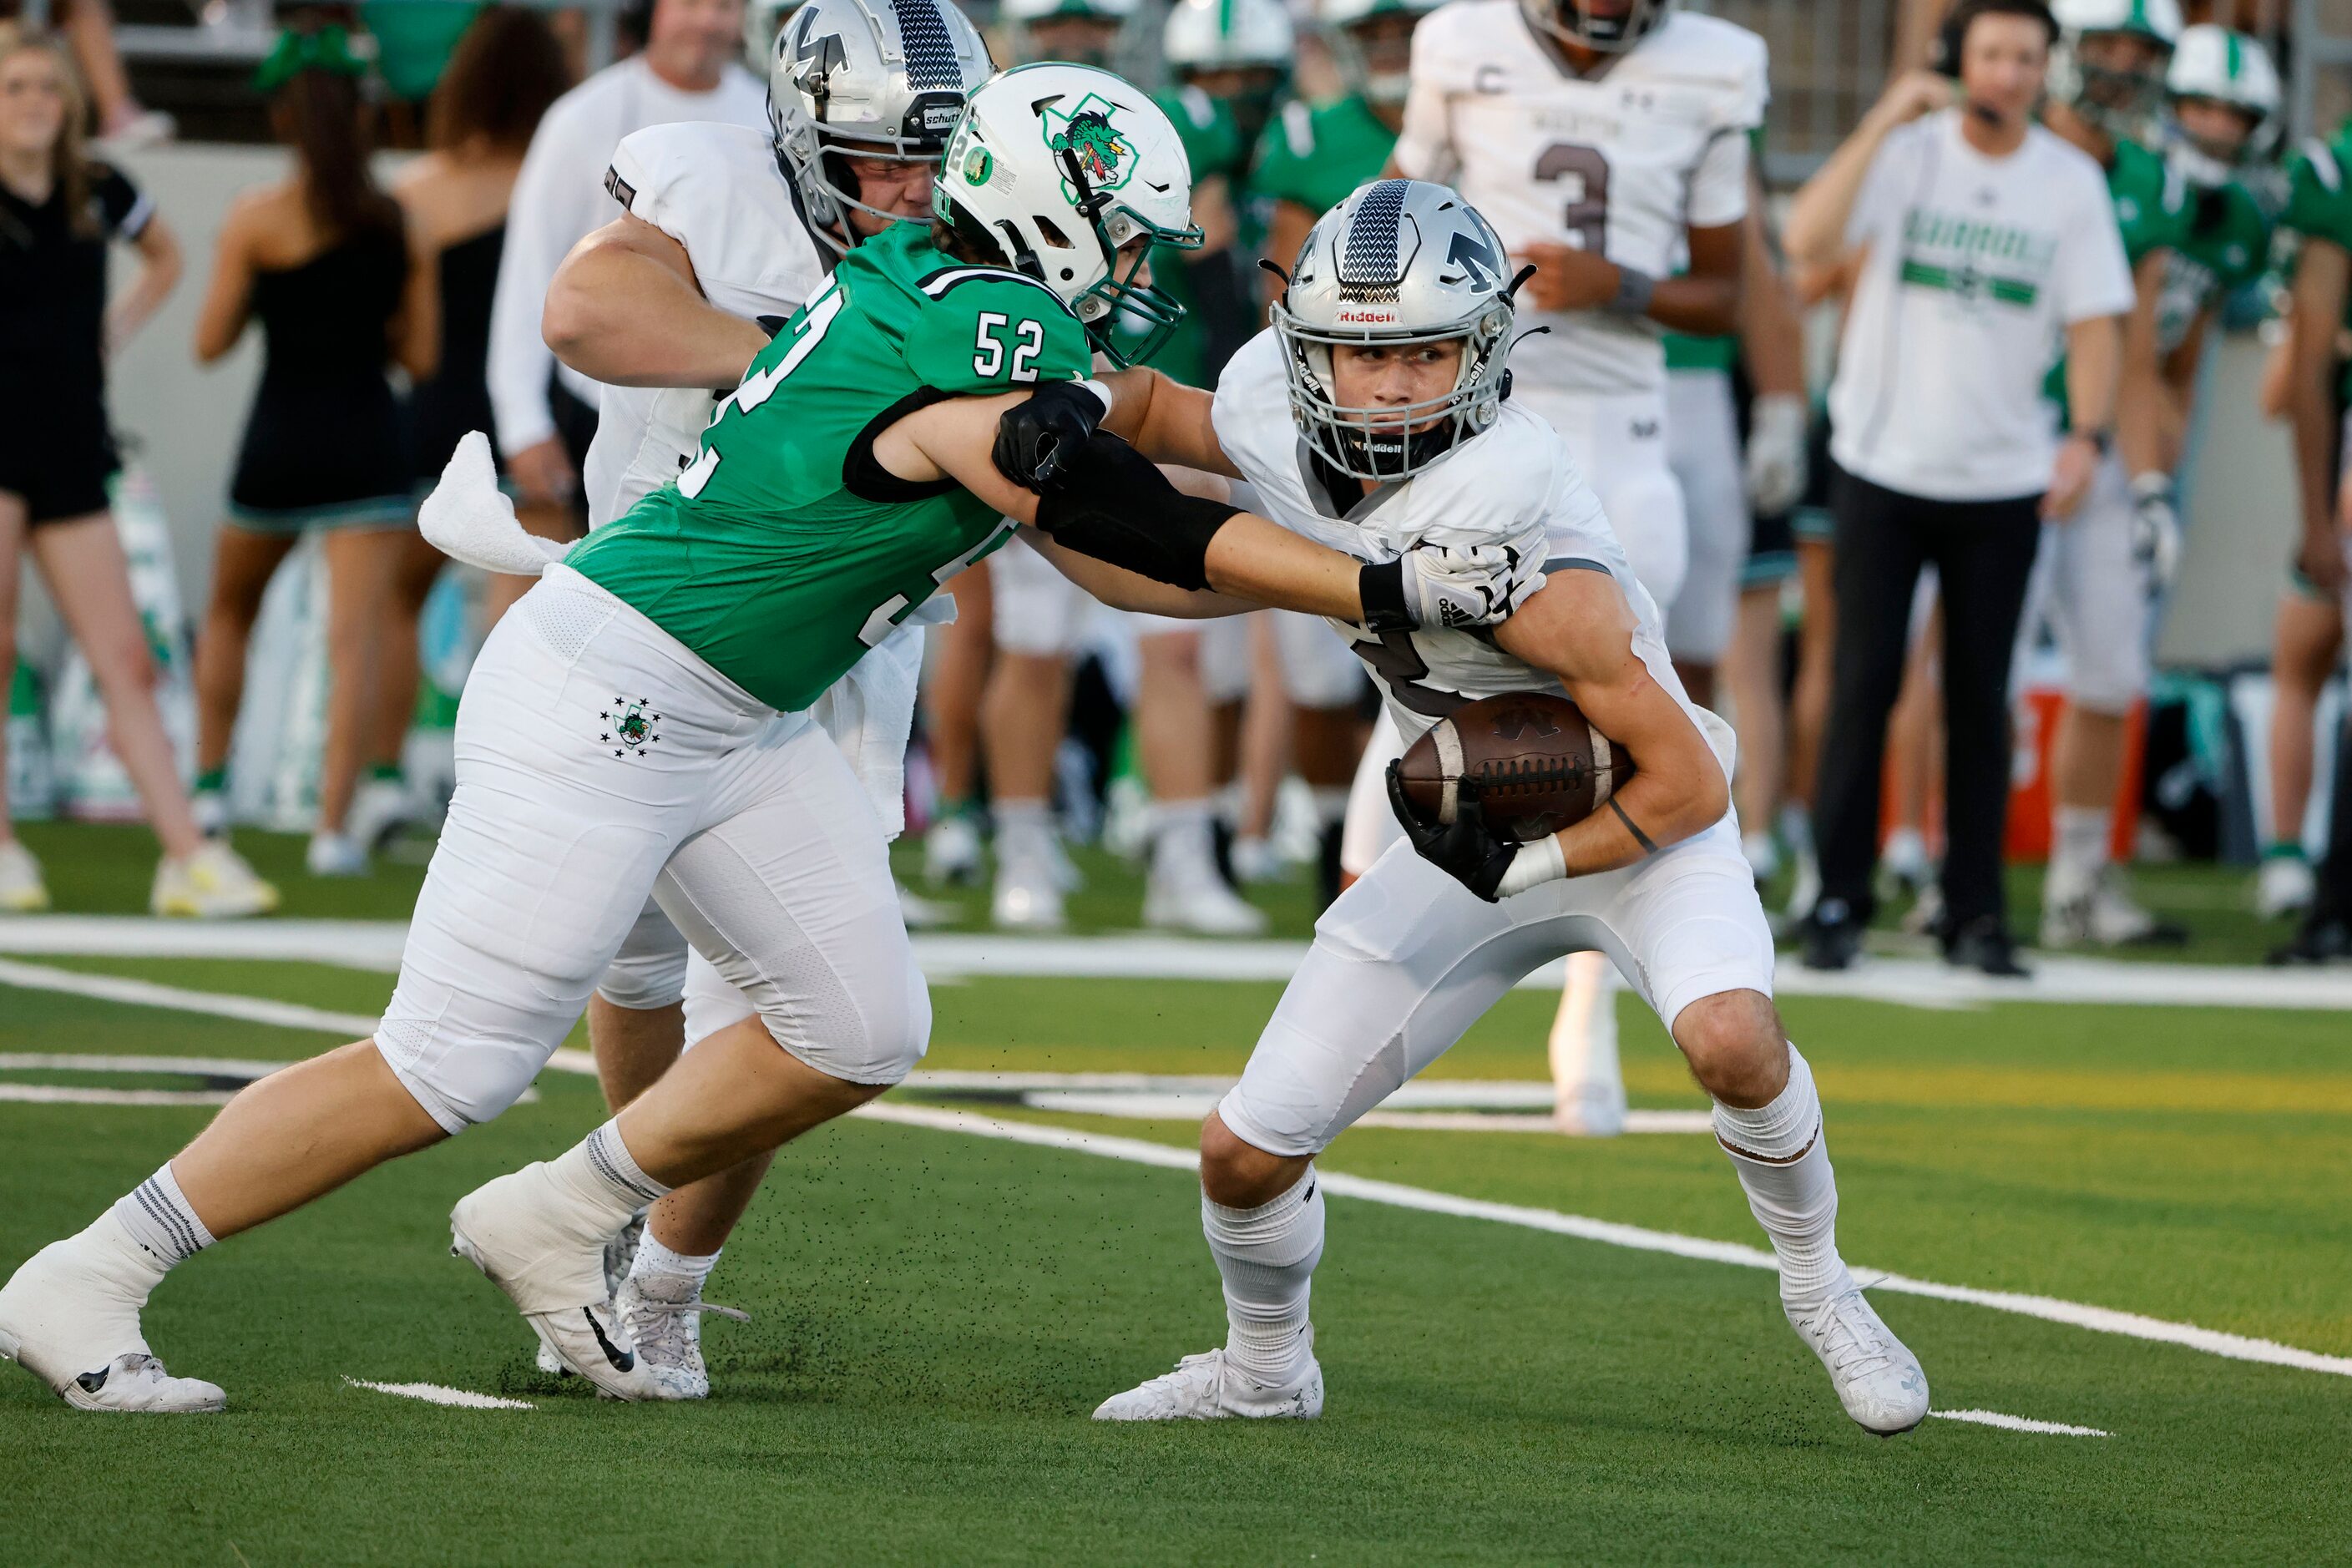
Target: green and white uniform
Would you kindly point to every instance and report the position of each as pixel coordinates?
(1212, 145)
(637, 724)
(2152, 210)
(2223, 246)
(1316, 156)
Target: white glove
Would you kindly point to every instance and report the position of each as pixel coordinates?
(1777, 427)
(467, 518)
(1467, 585)
(2155, 529)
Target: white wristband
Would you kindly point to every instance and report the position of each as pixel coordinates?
(1533, 866)
(1101, 391)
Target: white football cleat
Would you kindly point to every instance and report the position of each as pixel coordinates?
(1205, 1388)
(1201, 904)
(2099, 913)
(663, 1313)
(2282, 887)
(22, 891)
(214, 883)
(919, 913)
(379, 811)
(335, 855)
(518, 1231)
(1590, 1109)
(1027, 896)
(952, 850)
(1878, 1378)
(66, 1323)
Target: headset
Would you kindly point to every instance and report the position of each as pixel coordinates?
(1952, 37)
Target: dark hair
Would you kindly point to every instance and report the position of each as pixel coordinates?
(507, 68)
(1954, 34)
(317, 113)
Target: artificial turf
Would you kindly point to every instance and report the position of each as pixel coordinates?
(935, 1315)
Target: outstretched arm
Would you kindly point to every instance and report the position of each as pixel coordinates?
(624, 309)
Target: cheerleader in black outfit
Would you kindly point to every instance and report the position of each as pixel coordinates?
(325, 262)
(59, 211)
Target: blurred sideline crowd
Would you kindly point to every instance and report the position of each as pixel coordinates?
(1844, 586)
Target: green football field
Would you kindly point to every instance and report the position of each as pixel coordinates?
(936, 1309)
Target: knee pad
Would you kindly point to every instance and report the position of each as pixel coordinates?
(874, 1034)
(649, 971)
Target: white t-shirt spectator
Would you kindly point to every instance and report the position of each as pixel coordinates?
(559, 198)
(1976, 268)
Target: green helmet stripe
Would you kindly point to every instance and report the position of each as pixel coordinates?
(2236, 58)
(1226, 16)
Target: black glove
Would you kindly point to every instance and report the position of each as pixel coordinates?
(1113, 505)
(1036, 439)
(1467, 851)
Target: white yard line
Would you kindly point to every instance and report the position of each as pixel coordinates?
(58, 1094)
(1908, 981)
(434, 1394)
(219, 1004)
(2019, 1423)
(2101, 1320)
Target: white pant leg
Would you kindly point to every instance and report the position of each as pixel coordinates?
(1407, 959)
(2099, 603)
(649, 971)
(1319, 667)
(565, 814)
(1371, 825)
(1703, 449)
(1619, 442)
(1038, 610)
(786, 892)
(1226, 661)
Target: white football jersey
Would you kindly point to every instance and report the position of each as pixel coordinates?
(1625, 160)
(716, 190)
(1513, 483)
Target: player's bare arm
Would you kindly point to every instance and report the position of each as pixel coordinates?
(1581, 629)
(2140, 390)
(624, 309)
(1815, 232)
(1704, 301)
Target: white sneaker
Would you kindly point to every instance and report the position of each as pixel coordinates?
(1203, 1388)
(67, 1324)
(2099, 913)
(1027, 896)
(213, 883)
(1806, 890)
(1762, 852)
(22, 891)
(210, 808)
(378, 811)
(2282, 887)
(1256, 860)
(1878, 1379)
(1200, 904)
(663, 1316)
(920, 913)
(518, 1231)
(335, 855)
(1904, 866)
(1590, 1110)
(952, 850)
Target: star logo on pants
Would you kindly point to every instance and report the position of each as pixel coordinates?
(629, 726)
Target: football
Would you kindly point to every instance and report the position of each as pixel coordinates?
(1535, 764)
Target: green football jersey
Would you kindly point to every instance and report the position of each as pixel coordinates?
(784, 551)
(2151, 209)
(2225, 244)
(2318, 203)
(1317, 156)
(1212, 145)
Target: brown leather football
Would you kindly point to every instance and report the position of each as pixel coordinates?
(1536, 765)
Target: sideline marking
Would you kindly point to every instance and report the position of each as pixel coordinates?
(436, 1394)
(2100, 1320)
(219, 1004)
(2019, 1423)
(1904, 982)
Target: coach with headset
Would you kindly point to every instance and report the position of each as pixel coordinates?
(1976, 245)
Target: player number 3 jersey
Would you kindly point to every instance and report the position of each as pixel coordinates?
(784, 549)
(1624, 161)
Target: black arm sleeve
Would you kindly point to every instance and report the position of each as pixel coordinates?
(1115, 506)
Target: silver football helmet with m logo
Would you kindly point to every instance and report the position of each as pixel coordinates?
(867, 78)
(1398, 263)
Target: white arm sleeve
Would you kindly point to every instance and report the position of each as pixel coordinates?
(555, 198)
(1718, 189)
(1424, 147)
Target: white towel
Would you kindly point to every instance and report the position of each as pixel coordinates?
(870, 714)
(467, 518)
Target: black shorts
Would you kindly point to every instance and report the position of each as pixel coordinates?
(60, 465)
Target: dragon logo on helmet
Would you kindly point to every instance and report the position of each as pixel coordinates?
(1105, 158)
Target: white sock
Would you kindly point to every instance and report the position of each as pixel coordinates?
(1183, 847)
(2079, 840)
(600, 1171)
(156, 1217)
(1784, 1163)
(652, 1257)
(1024, 828)
(1797, 829)
(1268, 1257)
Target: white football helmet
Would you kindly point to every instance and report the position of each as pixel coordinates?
(2215, 63)
(1399, 262)
(1612, 27)
(2122, 103)
(1340, 20)
(867, 78)
(1058, 169)
(1110, 18)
